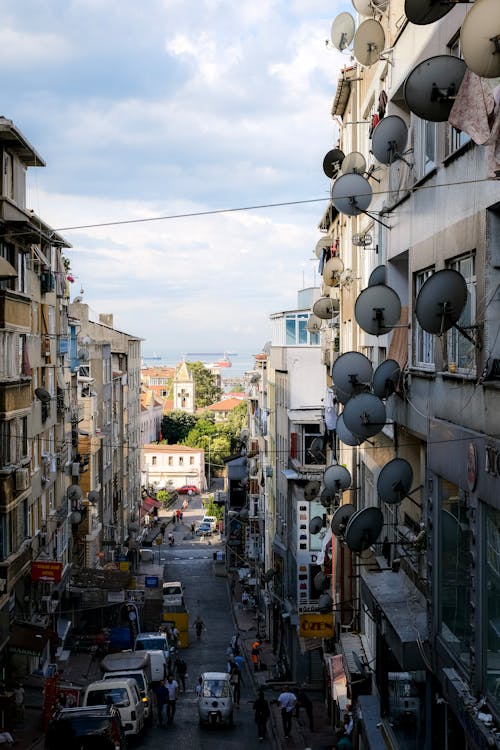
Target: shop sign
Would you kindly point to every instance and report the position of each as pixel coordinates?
(46, 571)
(116, 596)
(315, 625)
(151, 582)
(135, 595)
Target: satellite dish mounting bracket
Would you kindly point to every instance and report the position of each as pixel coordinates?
(386, 55)
(374, 218)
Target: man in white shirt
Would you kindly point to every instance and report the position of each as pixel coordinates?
(173, 691)
(286, 702)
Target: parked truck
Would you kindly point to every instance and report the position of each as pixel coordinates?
(136, 665)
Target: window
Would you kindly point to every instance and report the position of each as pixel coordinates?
(191, 460)
(492, 614)
(424, 341)
(428, 147)
(5, 450)
(296, 330)
(153, 460)
(461, 351)
(181, 461)
(170, 461)
(456, 138)
(314, 452)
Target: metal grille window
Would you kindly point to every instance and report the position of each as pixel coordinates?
(461, 351)
(424, 342)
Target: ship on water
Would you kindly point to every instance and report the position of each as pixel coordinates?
(224, 360)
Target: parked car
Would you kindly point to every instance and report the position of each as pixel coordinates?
(212, 520)
(215, 702)
(134, 664)
(124, 694)
(173, 594)
(86, 727)
(204, 529)
(188, 489)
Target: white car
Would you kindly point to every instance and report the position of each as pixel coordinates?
(212, 520)
(215, 701)
(124, 694)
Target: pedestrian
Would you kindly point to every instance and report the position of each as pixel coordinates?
(163, 528)
(348, 724)
(181, 670)
(303, 701)
(161, 694)
(344, 742)
(181, 515)
(193, 528)
(19, 701)
(175, 637)
(174, 518)
(256, 649)
(235, 682)
(240, 662)
(262, 714)
(178, 514)
(286, 702)
(235, 644)
(172, 687)
(197, 689)
(199, 626)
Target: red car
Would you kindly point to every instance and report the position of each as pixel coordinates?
(188, 489)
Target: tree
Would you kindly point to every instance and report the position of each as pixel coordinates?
(176, 426)
(206, 391)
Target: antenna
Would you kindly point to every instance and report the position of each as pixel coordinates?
(377, 309)
(324, 243)
(314, 324)
(480, 39)
(332, 162)
(369, 41)
(332, 270)
(389, 140)
(341, 518)
(337, 478)
(316, 524)
(431, 88)
(369, 7)
(386, 378)
(362, 240)
(364, 415)
(351, 374)
(354, 162)
(352, 194)
(440, 303)
(342, 32)
(326, 308)
(394, 481)
(364, 529)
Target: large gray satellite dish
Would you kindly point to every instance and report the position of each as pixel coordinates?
(346, 436)
(342, 32)
(377, 276)
(314, 324)
(369, 41)
(389, 139)
(364, 415)
(480, 39)
(74, 492)
(352, 372)
(332, 162)
(377, 309)
(423, 12)
(336, 478)
(322, 244)
(351, 194)
(341, 518)
(326, 308)
(315, 525)
(368, 7)
(431, 88)
(394, 481)
(332, 270)
(364, 529)
(326, 497)
(386, 378)
(311, 490)
(354, 162)
(441, 300)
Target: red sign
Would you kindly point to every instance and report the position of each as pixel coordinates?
(42, 570)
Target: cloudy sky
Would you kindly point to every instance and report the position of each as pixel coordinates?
(178, 107)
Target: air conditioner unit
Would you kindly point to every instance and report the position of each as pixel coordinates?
(75, 469)
(22, 479)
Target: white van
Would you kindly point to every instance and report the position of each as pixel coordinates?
(124, 694)
(172, 594)
(137, 665)
(215, 700)
(160, 654)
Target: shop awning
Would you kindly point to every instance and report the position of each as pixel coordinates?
(28, 639)
(149, 503)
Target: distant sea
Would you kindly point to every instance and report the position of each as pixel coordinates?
(241, 361)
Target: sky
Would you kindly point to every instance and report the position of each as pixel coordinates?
(178, 108)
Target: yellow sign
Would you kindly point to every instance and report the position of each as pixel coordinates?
(315, 625)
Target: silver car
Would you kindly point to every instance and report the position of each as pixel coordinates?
(215, 701)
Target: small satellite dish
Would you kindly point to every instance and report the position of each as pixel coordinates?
(389, 139)
(333, 162)
(351, 194)
(342, 32)
(364, 529)
(423, 12)
(351, 373)
(326, 308)
(377, 309)
(43, 395)
(362, 240)
(441, 300)
(431, 88)
(368, 7)
(317, 451)
(364, 415)
(315, 525)
(369, 41)
(386, 378)
(354, 162)
(346, 436)
(394, 481)
(74, 492)
(320, 581)
(341, 518)
(83, 355)
(377, 276)
(479, 39)
(325, 603)
(332, 270)
(311, 490)
(314, 324)
(322, 244)
(337, 478)
(93, 497)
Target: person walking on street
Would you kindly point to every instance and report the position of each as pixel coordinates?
(172, 687)
(286, 702)
(19, 701)
(235, 644)
(262, 713)
(181, 671)
(198, 625)
(193, 528)
(303, 701)
(197, 689)
(235, 682)
(256, 648)
(161, 693)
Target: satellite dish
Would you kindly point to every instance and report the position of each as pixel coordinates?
(326, 308)
(351, 194)
(322, 244)
(431, 88)
(336, 478)
(333, 161)
(367, 7)
(377, 309)
(354, 162)
(74, 492)
(244, 435)
(394, 481)
(83, 355)
(315, 525)
(320, 581)
(364, 529)
(364, 415)
(441, 300)
(423, 12)
(351, 372)
(332, 270)
(479, 39)
(314, 324)
(341, 518)
(377, 276)
(346, 436)
(386, 378)
(342, 33)
(43, 395)
(326, 498)
(362, 240)
(93, 497)
(369, 41)
(389, 139)
(311, 490)
(325, 603)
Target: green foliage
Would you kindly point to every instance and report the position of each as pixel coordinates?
(166, 498)
(206, 391)
(176, 426)
(212, 508)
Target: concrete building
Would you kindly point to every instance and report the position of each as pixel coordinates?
(171, 466)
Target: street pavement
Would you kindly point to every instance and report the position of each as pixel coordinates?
(81, 668)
